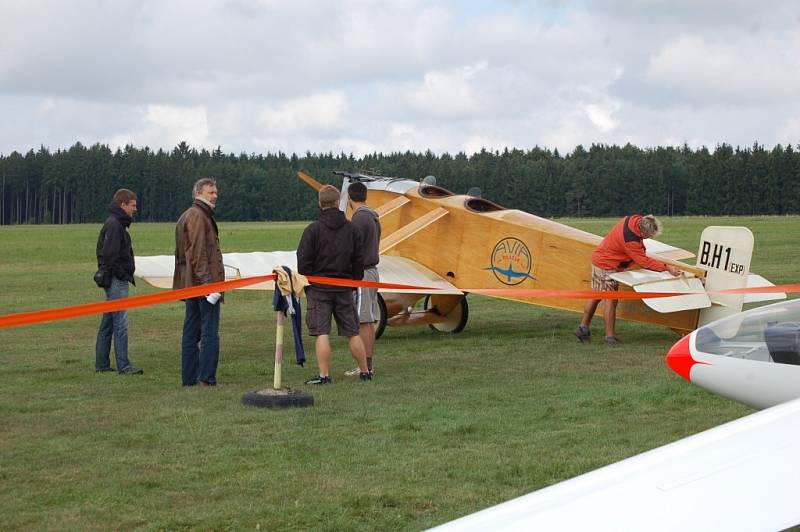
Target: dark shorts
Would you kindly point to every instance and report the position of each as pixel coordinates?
(342, 305)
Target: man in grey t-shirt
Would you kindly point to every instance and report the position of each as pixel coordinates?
(368, 228)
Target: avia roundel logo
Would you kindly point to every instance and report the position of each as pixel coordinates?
(511, 261)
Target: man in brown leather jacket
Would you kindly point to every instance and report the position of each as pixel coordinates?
(198, 260)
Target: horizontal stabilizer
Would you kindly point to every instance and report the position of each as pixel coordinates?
(756, 281)
(652, 281)
(696, 297)
(637, 277)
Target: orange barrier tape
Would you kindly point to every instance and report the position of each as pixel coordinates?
(352, 283)
(787, 288)
(65, 313)
(41, 316)
(542, 293)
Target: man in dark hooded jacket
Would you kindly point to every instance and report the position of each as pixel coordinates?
(331, 247)
(115, 255)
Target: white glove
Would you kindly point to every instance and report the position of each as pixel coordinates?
(213, 297)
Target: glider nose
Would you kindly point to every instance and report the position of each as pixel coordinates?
(679, 357)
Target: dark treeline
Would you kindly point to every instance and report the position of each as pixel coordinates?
(75, 185)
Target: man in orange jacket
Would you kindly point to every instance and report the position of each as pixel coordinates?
(621, 247)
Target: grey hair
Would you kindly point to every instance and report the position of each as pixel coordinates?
(650, 226)
(202, 182)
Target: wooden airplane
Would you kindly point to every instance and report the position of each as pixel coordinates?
(471, 243)
(452, 243)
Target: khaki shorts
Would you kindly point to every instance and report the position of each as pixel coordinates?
(368, 299)
(322, 304)
(602, 281)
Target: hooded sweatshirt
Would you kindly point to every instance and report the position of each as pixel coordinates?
(369, 231)
(330, 247)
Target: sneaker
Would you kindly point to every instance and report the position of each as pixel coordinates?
(205, 384)
(355, 372)
(319, 380)
(612, 340)
(130, 370)
(583, 334)
(104, 370)
(365, 376)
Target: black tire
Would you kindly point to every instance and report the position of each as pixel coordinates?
(381, 318)
(457, 317)
(282, 398)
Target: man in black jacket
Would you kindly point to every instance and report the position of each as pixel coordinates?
(115, 255)
(330, 247)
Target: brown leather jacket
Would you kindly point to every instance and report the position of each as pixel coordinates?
(198, 259)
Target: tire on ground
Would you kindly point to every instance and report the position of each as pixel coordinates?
(284, 398)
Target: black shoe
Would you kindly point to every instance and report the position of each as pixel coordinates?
(365, 376)
(583, 334)
(612, 340)
(104, 370)
(319, 380)
(130, 370)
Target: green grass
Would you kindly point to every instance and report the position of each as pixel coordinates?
(451, 424)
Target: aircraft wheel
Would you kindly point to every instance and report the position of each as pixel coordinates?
(456, 318)
(381, 325)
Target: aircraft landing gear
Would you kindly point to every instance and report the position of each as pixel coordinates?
(456, 317)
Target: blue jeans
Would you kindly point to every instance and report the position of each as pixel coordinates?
(200, 326)
(113, 324)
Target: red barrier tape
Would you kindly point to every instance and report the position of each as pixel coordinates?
(65, 313)
(41, 316)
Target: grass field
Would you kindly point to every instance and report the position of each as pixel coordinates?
(450, 425)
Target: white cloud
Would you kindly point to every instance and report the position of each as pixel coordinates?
(321, 112)
(448, 94)
(170, 124)
(744, 71)
(396, 75)
(602, 116)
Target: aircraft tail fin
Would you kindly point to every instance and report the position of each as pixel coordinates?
(724, 253)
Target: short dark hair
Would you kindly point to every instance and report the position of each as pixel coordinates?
(123, 195)
(328, 197)
(357, 192)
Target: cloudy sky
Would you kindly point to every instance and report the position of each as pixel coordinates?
(367, 75)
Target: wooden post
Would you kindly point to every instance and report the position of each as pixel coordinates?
(276, 382)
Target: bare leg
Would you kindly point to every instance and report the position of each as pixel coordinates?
(357, 350)
(588, 312)
(610, 315)
(323, 349)
(367, 333)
